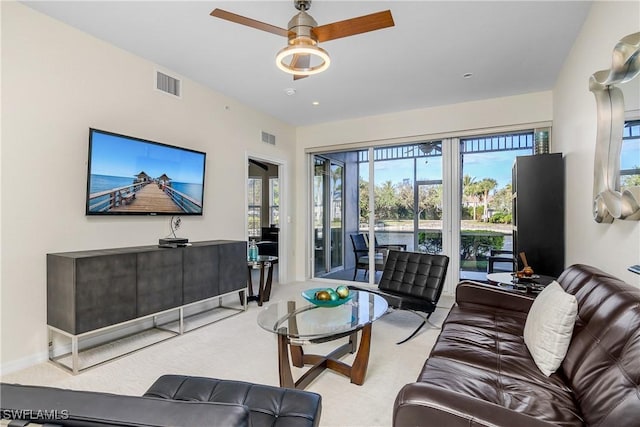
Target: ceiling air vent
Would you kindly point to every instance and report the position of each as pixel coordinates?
(268, 138)
(168, 84)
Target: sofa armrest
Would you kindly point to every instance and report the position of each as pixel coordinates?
(420, 404)
(474, 293)
(84, 408)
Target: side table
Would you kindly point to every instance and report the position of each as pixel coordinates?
(264, 287)
(531, 285)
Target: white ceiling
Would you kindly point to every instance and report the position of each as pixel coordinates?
(511, 47)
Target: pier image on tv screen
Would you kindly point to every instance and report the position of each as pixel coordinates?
(134, 176)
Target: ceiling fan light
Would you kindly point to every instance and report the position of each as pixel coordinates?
(305, 49)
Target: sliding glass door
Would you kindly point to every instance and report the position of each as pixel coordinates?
(409, 196)
(328, 232)
(428, 222)
(406, 211)
(486, 207)
(450, 197)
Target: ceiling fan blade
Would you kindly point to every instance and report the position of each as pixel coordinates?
(353, 26)
(243, 20)
(300, 61)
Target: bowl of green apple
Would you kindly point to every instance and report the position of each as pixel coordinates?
(328, 297)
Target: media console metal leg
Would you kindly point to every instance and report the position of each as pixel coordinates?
(51, 355)
(74, 355)
(244, 300)
(181, 330)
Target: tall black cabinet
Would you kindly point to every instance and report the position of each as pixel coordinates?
(538, 212)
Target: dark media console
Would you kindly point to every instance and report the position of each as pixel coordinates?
(89, 291)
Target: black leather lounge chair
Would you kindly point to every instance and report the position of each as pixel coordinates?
(412, 281)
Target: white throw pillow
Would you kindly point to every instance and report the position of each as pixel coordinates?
(549, 326)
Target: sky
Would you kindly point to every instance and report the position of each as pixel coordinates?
(496, 165)
(126, 157)
(630, 156)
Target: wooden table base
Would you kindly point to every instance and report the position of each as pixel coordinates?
(355, 372)
(264, 287)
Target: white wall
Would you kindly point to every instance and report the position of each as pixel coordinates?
(611, 247)
(56, 83)
(478, 116)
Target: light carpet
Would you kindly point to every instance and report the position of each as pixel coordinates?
(237, 348)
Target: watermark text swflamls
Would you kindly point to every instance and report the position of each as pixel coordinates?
(34, 414)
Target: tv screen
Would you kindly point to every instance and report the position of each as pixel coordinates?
(133, 176)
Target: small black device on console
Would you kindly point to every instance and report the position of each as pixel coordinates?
(173, 242)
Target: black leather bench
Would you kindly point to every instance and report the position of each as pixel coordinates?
(172, 400)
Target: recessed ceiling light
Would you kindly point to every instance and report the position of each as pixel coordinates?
(290, 91)
(467, 75)
(315, 103)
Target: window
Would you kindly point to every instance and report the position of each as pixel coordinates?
(630, 155)
(255, 206)
(486, 164)
(274, 201)
(408, 195)
(450, 196)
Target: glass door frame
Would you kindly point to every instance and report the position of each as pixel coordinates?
(452, 182)
(416, 208)
(450, 218)
(451, 194)
(327, 204)
(451, 179)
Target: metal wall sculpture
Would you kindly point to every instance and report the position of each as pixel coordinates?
(609, 203)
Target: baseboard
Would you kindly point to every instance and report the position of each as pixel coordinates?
(23, 363)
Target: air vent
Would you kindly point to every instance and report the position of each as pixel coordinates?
(167, 84)
(268, 138)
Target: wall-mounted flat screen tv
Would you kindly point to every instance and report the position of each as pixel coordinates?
(133, 176)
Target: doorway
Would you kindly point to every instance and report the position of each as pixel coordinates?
(265, 210)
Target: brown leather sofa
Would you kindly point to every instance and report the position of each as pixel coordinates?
(480, 373)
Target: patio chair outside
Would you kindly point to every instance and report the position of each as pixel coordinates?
(361, 252)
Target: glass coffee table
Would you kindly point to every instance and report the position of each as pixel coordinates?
(298, 322)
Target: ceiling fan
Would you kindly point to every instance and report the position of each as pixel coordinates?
(427, 148)
(304, 34)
